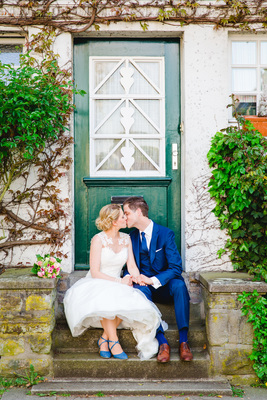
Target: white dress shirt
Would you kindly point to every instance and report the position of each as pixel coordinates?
(148, 235)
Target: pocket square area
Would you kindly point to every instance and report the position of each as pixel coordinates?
(158, 250)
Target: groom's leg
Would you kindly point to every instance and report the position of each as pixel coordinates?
(179, 292)
(148, 292)
(180, 295)
(176, 292)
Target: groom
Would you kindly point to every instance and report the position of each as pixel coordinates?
(160, 266)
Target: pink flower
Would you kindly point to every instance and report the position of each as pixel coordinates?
(58, 269)
(50, 270)
(40, 274)
(53, 259)
(39, 263)
(54, 276)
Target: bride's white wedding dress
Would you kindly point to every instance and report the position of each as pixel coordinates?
(89, 300)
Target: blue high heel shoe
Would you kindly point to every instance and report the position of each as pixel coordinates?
(103, 354)
(121, 356)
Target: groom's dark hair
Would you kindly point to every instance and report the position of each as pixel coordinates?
(136, 202)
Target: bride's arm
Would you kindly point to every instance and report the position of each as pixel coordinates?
(131, 264)
(95, 260)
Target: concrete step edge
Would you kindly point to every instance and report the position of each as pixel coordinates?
(198, 353)
(131, 351)
(135, 387)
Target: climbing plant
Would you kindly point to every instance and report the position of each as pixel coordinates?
(255, 307)
(80, 15)
(238, 158)
(35, 107)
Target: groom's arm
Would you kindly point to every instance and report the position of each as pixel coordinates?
(172, 259)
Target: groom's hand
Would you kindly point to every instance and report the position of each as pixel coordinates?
(144, 280)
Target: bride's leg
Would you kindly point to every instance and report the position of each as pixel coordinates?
(104, 346)
(110, 327)
(118, 321)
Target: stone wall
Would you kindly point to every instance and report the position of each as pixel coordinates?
(27, 320)
(28, 306)
(229, 335)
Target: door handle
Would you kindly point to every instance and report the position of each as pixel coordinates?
(174, 156)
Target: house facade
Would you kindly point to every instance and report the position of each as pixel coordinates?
(157, 78)
(154, 99)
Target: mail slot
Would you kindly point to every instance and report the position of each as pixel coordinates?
(120, 199)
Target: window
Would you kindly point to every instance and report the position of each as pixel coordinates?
(9, 53)
(248, 72)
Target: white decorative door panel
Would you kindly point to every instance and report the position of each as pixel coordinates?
(127, 116)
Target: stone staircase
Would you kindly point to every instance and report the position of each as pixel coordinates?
(79, 358)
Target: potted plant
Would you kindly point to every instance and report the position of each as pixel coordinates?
(260, 121)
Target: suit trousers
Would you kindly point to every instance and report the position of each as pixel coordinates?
(175, 291)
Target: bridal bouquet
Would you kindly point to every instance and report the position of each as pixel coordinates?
(47, 266)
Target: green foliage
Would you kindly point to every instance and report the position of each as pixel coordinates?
(35, 106)
(237, 392)
(238, 157)
(255, 307)
(29, 379)
(46, 394)
(36, 102)
(32, 108)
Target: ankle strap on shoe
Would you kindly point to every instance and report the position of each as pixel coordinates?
(113, 344)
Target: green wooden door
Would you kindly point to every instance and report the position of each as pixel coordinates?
(127, 137)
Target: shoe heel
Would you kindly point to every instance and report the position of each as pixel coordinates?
(121, 356)
(103, 354)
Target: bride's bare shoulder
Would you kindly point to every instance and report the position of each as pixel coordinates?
(96, 239)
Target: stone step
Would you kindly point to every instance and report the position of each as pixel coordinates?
(138, 387)
(168, 314)
(63, 340)
(91, 365)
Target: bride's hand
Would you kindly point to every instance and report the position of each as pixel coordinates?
(127, 280)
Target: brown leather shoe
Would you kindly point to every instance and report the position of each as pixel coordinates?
(185, 352)
(164, 353)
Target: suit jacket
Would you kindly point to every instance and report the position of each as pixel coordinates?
(164, 256)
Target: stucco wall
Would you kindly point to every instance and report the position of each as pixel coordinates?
(205, 94)
(205, 78)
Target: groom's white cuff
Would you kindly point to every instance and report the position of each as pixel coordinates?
(156, 282)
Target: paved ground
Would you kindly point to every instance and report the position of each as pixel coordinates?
(24, 394)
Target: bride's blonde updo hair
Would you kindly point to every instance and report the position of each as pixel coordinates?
(107, 215)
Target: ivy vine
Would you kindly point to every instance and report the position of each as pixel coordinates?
(35, 108)
(255, 307)
(80, 15)
(238, 158)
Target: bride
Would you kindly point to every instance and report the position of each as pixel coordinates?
(105, 299)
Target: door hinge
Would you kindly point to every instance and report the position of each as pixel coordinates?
(182, 128)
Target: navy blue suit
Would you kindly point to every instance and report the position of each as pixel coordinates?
(164, 262)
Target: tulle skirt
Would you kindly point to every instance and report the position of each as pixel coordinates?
(90, 300)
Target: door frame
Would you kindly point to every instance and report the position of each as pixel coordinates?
(148, 181)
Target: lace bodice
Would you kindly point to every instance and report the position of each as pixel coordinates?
(108, 242)
(112, 262)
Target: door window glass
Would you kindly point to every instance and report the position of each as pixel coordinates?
(127, 116)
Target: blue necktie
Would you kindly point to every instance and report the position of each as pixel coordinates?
(144, 243)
